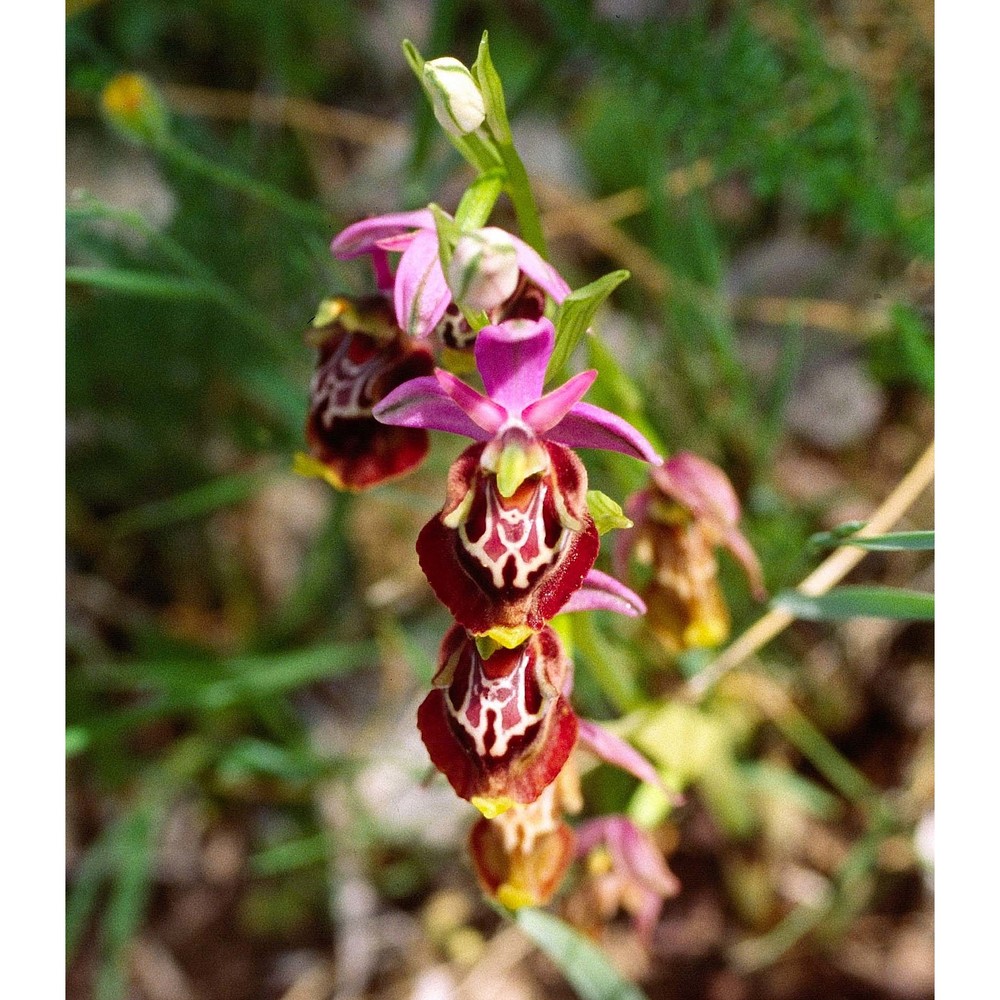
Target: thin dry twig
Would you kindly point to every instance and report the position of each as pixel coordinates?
(830, 572)
(823, 314)
(615, 207)
(296, 112)
(273, 109)
(584, 219)
(594, 221)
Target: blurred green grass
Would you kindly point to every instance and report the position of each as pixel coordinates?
(187, 374)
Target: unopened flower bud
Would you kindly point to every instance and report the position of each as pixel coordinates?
(134, 107)
(457, 100)
(483, 272)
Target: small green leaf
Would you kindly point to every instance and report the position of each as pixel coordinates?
(836, 536)
(492, 88)
(899, 541)
(607, 514)
(584, 965)
(291, 855)
(575, 315)
(858, 602)
(414, 58)
(448, 233)
(477, 203)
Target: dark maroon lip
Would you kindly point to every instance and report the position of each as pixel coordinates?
(474, 576)
(499, 729)
(354, 371)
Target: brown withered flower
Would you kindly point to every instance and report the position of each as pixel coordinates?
(687, 512)
(521, 856)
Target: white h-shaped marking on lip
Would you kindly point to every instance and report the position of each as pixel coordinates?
(340, 371)
(497, 520)
(493, 696)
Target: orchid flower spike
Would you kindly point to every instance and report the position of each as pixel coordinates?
(421, 294)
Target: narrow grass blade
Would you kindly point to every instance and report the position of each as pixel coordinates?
(858, 602)
(899, 541)
(196, 502)
(180, 686)
(139, 283)
(86, 888)
(291, 856)
(582, 963)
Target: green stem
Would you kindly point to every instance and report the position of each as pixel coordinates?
(519, 189)
(256, 190)
(826, 758)
(241, 309)
(608, 667)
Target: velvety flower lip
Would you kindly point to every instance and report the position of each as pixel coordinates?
(499, 726)
(420, 292)
(512, 358)
(362, 356)
(499, 729)
(503, 566)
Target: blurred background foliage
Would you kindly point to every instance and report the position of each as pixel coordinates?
(246, 649)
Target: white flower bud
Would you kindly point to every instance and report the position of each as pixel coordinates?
(458, 102)
(483, 270)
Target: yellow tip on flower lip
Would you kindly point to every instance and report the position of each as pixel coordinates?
(599, 861)
(514, 898)
(311, 468)
(705, 632)
(491, 808)
(351, 319)
(329, 310)
(510, 637)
